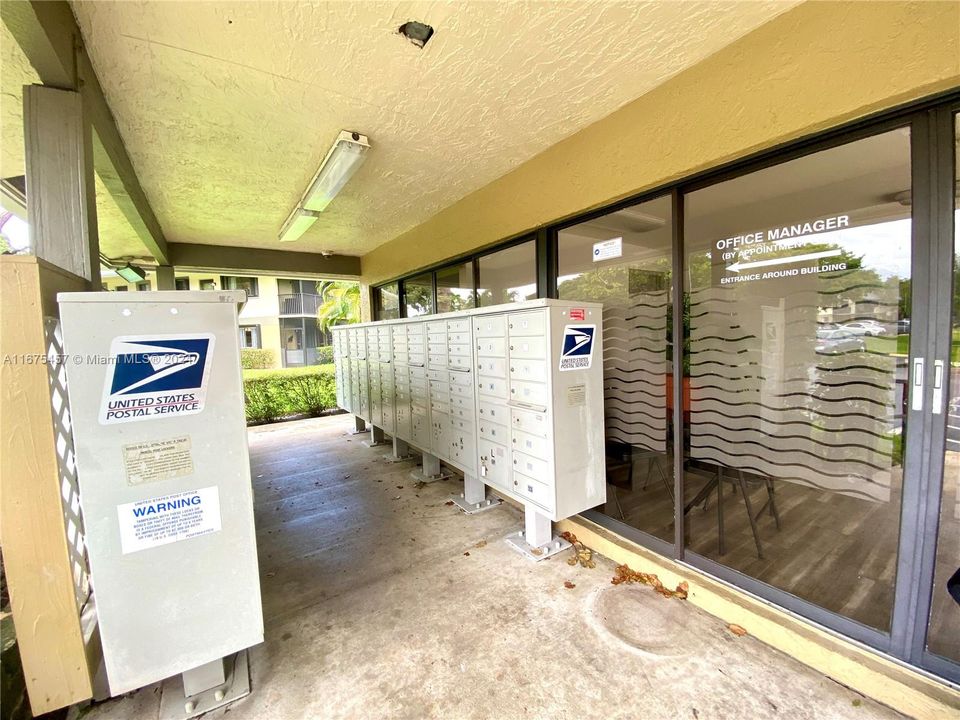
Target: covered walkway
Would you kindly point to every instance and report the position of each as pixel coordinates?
(382, 601)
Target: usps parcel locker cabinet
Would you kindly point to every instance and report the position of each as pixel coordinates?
(540, 404)
(161, 448)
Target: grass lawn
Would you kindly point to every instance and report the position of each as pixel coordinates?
(900, 345)
(307, 370)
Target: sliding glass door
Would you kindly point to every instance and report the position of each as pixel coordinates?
(798, 282)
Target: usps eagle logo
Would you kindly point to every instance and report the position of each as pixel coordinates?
(577, 350)
(154, 376)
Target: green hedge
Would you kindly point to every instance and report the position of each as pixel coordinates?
(310, 391)
(256, 359)
(324, 354)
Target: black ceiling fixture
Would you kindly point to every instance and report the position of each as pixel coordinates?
(416, 32)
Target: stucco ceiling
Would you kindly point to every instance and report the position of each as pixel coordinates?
(227, 109)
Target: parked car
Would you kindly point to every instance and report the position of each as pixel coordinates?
(835, 342)
(870, 328)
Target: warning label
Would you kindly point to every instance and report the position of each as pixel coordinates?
(159, 521)
(148, 462)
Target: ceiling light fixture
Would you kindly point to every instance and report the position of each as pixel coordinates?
(341, 162)
(131, 273)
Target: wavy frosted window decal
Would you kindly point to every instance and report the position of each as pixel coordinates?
(772, 397)
(623, 260)
(635, 370)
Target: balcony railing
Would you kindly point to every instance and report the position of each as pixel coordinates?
(299, 304)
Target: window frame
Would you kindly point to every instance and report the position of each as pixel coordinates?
(225, 281)
(257, 335)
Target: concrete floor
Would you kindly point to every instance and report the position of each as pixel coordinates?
(382, 601)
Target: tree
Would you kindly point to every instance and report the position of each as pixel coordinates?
(340, 304)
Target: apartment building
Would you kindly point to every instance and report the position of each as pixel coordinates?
(280, 314)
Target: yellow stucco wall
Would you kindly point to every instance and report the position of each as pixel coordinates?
(814, 67)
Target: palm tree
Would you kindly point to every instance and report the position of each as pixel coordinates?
(340, 304)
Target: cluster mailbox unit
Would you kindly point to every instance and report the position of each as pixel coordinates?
(509, 395)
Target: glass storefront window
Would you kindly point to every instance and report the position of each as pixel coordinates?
(796, 293)
(455, 288)
(623, 260)
(509, 275)
(387, 302)
(943, 634)
(418, 295)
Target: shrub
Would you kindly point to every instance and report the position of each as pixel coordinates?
(308, 391)
(256, 359)
(325, 354)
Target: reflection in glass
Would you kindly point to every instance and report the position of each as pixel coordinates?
(797, 289)
(387, 298)
(455, 288)
(943, 637)
(418, 295)
(623, 260)
(508, 275)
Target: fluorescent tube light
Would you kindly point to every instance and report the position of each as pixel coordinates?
(342, 161)
(297, 224)
(338, 166)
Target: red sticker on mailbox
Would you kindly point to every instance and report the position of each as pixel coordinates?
(578, 314)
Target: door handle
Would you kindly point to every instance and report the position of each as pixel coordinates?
(938, 368)
(916, 402)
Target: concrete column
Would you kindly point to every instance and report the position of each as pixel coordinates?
(165, 278)
(61, 209)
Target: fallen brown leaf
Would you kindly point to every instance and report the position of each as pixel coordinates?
(448, 503)
(482, 543)
(399, 487)
(581, 553)
(624, 574)
(467, 554)
(568, 585)
(736, 630)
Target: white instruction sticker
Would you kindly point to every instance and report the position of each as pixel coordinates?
(149, 523)
(608, 249)
(157, 460)
(576, 395)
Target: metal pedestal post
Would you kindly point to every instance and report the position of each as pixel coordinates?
(536, 541)
(205, 688)
(430, 472)
(376, 437)
(401, 452)
(359, 425)
(474, 498)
